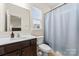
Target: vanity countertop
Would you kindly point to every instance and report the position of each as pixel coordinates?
(4, 41)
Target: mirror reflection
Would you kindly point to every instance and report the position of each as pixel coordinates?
(15, 23)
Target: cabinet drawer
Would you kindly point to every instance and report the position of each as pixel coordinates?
(11, 47)
(2, 50)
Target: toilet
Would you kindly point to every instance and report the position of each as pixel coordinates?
(43, 49)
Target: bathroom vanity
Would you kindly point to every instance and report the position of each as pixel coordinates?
(18, 47)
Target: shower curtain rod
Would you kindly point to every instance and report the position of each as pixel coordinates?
(56, 7)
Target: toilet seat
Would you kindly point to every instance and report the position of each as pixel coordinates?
(44, 48)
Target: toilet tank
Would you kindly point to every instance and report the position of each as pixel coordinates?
(40, 40)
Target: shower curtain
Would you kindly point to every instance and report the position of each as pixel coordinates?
(61, 29)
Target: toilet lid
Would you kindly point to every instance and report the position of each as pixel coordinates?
(44, 47)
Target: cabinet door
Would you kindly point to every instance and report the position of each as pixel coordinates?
(27, 51)
(15, 53)
(2, 51)
(34, 47)
(34, 50)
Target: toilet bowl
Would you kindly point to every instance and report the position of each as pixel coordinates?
(44, 48)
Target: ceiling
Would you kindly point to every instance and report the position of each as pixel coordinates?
(45, 7)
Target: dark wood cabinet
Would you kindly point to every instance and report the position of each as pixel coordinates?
(23, 48)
